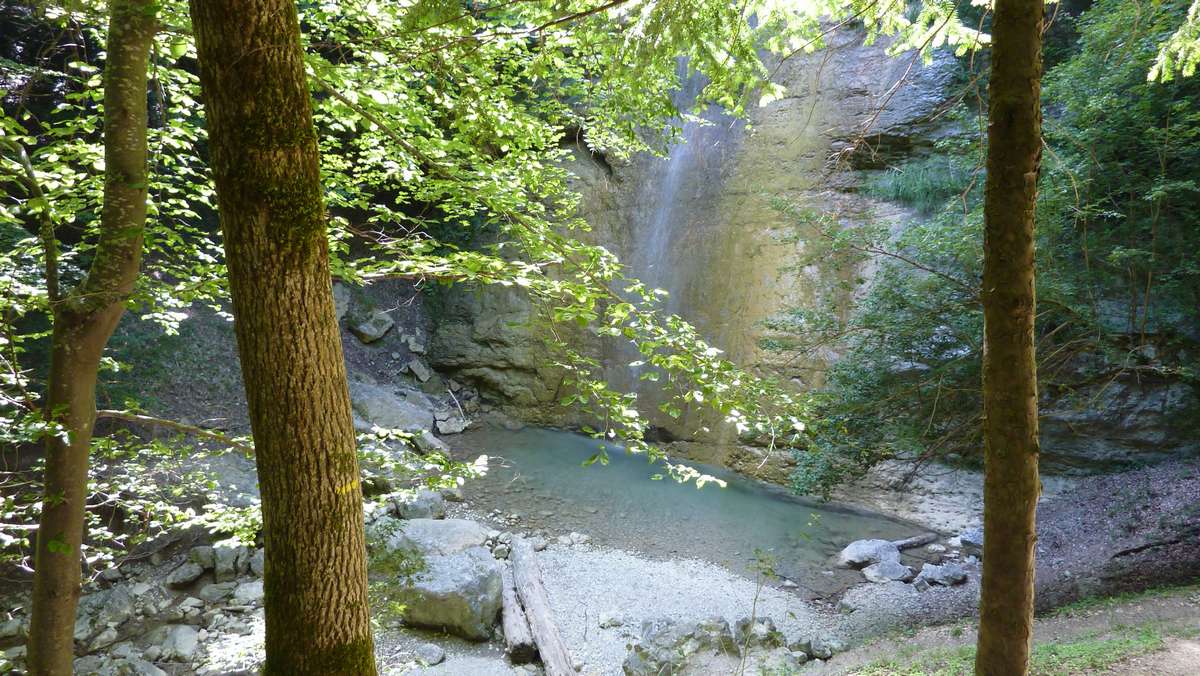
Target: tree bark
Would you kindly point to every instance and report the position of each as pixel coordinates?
(83, 321)
(1010, 428)
(266, 167)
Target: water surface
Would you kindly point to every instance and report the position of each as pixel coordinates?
(538, 474)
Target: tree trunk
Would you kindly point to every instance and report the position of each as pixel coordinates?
(83, 321)
(1010, 426)
(266, 168)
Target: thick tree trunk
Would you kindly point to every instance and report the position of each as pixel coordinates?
(265, 163)
(1010, 427)
(83, 322)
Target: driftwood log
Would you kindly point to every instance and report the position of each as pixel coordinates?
(518, 639)
(915, 541)
(527, 576)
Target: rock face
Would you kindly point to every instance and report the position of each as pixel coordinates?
(1129, 420)
(701, 224)
(862, 553)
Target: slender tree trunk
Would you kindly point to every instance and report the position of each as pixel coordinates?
(83, 322)
(1011, 484)
(265, 163)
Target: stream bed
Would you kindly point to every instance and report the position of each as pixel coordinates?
(538, 474)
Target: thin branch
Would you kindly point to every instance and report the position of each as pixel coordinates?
(177, 426)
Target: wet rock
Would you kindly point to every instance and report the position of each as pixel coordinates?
(373, 327)
(430, 654)
(184, 575)
(946, 575)
(887, 571)
(458, 593)
(862, 553)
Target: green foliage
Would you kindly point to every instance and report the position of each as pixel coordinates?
(1116, 232)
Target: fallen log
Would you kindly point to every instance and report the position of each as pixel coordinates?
(915, 541)
(518, 639)
(527, 576)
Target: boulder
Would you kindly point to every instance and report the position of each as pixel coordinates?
(946, 574)
(380, 406)
(187, 573)
(177, 642)
(430, 537)
(458, 593)
(972, 542)
(454, 425)
(341, 300)
(862, 553)
(248, 593)
(670, 647)
(419, 504)
(430, 654)
(887, 571)
(258, 562)
(230, 561)
(373, 327)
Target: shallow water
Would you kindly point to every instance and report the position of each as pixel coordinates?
(538, 474)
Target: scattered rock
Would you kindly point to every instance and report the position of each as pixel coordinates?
(230, 561)
(887, 571)
(178, 643)
(184, 575)
(946, 575)
(11, 628)
(217, 591)
(861, 553)
(501, 551)
(248, 593)
(611, 620)
(430, 654)
(258, 562)
(415, 343)
(454, 425)
(579, 538)
(824, 648)
(668, 647)
(758, 632)
(374, 327)
(419, 369)
(972, 542)
(539, 543)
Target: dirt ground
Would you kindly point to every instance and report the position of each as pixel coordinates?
(1167, 620)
